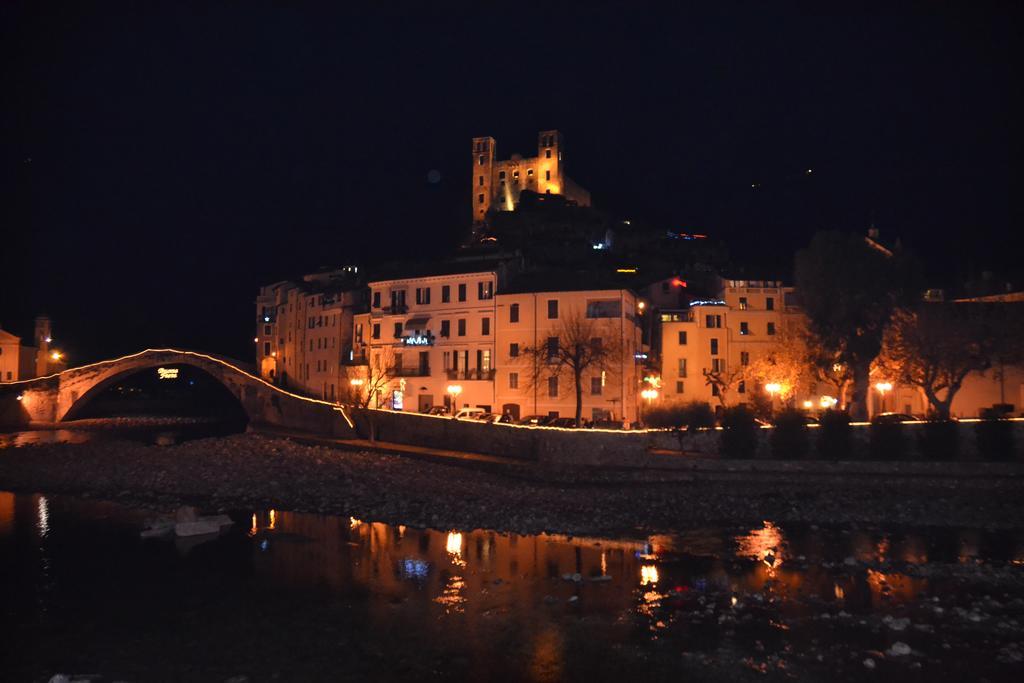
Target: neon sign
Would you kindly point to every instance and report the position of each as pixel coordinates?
(167, 373)
(419, 340)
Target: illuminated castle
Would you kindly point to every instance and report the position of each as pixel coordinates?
(497, 184)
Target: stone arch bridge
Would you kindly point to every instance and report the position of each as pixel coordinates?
(59, 397)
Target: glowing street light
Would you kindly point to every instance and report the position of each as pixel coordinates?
(357, 382)
(454, 390)
(649, 394)
(883, 388)
(56, 355)
(773, 388)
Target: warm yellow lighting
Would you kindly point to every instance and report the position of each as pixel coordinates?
(641, 305)
(808, 404)
(454, 546)
(648, 574)
(253, 528)
(357, 382)
(21, 397)
(454, 389)
(56, 355)
(883, 386)
(649, 394)
(273, 519)
(256, 339)
(167, 373)
(274, 354)
(827, 402)
(353, 522)
(773, 388)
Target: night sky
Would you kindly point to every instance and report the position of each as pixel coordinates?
(159, 162)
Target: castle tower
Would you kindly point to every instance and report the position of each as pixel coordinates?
(483, 177)
(549, 162)
(43, 338)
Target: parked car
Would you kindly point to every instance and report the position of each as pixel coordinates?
(437, 410)
(892, 418)
(605, 424)
(470, 413)
(496, 418)
(564, 422)
(536, 420)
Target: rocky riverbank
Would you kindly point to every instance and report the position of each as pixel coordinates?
(252, 470)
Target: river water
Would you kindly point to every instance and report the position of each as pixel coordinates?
(288, 596)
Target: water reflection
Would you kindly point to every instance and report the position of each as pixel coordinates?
(513, 606)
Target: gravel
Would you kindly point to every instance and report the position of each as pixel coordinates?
(253, 471)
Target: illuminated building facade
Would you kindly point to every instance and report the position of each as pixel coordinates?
(723, 335)
(527, 384)
(434, 337)
(304, 332)
(20, 362)
(497, 184)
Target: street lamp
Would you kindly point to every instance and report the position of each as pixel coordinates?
(454, 390)
(883, 388)
(650, 395)
(772, 388)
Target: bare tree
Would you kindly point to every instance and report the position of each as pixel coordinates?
(937, 346)
(575, 349)
(723, 380)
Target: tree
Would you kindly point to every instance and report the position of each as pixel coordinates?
(936, 347)
(784, 362)
(723, 380)
(380, 370)
(575, 348)
(827, 367)
(849, 288)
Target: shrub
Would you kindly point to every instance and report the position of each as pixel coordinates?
(692, 415)
(995, 439)
(789, 438)
(834, 435)
(939, 440)
(739, 433)
(887, 441)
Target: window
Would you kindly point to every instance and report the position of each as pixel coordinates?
(485, 326)
(398, 330)
(485, 290)
(462, 327)
(513, 313)
(552, 309)
(480, 198)
(604, 309)
(547, 174)
(741, 388)
(376, 330)
(481, 183)
(376, 299)
(423, 295)
(744, 358)
(515, 175)
(771, 328)
(481, 159)
(743, 303)
(446, 293)
(310, 344)
(714, 347)
(446, 328)
(553, 386)
(462, 292)
(547, 155)
(682, 367)
(552, 348)
(744, 328)
(679, 387)
(595, 386)
(266, 348)
(682, 338)
(513, 350)
(266, 329)
(501, 175)
(712, 321)
(769, 303)
(529, 173)
(717, 365)
(714, 390)
(513, 380)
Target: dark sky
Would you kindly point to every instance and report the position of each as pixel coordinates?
(161, 161)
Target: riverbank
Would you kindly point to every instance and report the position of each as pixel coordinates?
(253, 470)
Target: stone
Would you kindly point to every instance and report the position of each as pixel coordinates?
(898, 649)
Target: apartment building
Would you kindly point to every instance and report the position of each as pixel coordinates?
(304, 332)
(434, 336)
(534, 322)
(722, 335)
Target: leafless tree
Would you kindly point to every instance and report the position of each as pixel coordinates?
(575, 349)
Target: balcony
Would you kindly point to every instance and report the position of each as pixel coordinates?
(471, 374)
(411, 372)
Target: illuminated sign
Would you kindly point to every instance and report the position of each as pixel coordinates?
(707, 302)
(397, 400)
(167, 373)
(640, 356)
(419, 340)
